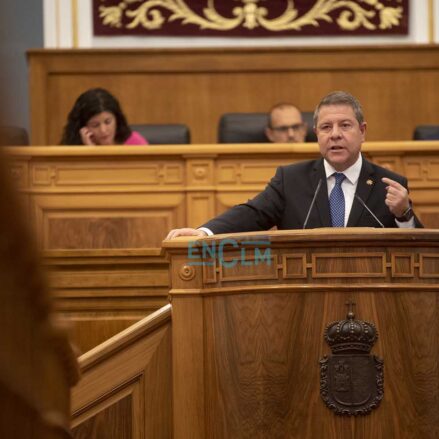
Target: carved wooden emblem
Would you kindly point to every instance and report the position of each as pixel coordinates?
(351, 380)
(187, 272)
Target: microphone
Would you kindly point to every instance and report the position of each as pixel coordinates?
(365, 206)
(312, 203)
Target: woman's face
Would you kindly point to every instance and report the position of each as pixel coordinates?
(102, 128)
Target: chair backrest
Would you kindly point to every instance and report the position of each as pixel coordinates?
(426, 132)
(250, 127)
(13, 136)
(164, 134)
(308, 117)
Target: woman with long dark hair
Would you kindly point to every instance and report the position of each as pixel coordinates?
(97, 119)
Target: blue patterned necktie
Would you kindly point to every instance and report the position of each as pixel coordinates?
(336, 201)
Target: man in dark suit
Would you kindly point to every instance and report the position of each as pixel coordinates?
(341, 189)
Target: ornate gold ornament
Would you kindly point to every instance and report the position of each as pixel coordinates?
(250, 15)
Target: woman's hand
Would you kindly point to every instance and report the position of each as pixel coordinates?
(86, 136)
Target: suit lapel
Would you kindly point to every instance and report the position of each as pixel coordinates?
(365, 184)
(322, 202)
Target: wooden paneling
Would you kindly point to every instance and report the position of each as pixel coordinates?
(126, 385)
(101, 227)
(262, 356)
(188, 378)
(115, 422)
(101, 292)
(75, 203)
(101, 231)
(258, 339)
(396, 85)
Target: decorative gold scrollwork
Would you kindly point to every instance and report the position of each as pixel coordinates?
(250, 15)
(187, 272)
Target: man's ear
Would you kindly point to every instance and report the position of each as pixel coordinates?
(269, 134)
(363, 128)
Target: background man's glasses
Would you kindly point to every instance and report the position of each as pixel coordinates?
(284, 128)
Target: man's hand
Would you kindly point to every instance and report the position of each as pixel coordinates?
(186, 232)
(397, 198)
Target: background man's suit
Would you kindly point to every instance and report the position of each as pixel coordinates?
(286, 199)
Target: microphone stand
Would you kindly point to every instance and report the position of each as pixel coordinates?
(312, 204)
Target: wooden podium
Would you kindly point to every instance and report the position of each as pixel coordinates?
(248, 318)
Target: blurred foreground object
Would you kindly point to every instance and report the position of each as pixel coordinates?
(13, 136)
(37, 365)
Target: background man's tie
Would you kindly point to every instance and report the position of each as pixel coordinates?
(336, 201)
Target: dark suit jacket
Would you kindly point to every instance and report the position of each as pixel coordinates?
(286, 199)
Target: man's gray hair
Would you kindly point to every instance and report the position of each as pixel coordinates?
(340, 98)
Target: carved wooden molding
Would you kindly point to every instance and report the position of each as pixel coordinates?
(348, 265)
(429, 265)
(313, 266)
(402, 264)
(119, 378)
(294, 266)
(322, 265)
(74, 193)
(187, 272)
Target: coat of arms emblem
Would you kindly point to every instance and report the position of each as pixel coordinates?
(351, 380)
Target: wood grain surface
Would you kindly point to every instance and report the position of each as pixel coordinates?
(126, 385)
(99, 293)
(130, 197)
(395, 84)
(260, 341)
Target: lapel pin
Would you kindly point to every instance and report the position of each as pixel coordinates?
(369, 182)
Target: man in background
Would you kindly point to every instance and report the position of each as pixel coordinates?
(285, 124)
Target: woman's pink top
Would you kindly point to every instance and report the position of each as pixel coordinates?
(136, 139)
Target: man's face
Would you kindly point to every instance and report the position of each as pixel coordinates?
(339, 135)
(286, 126)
